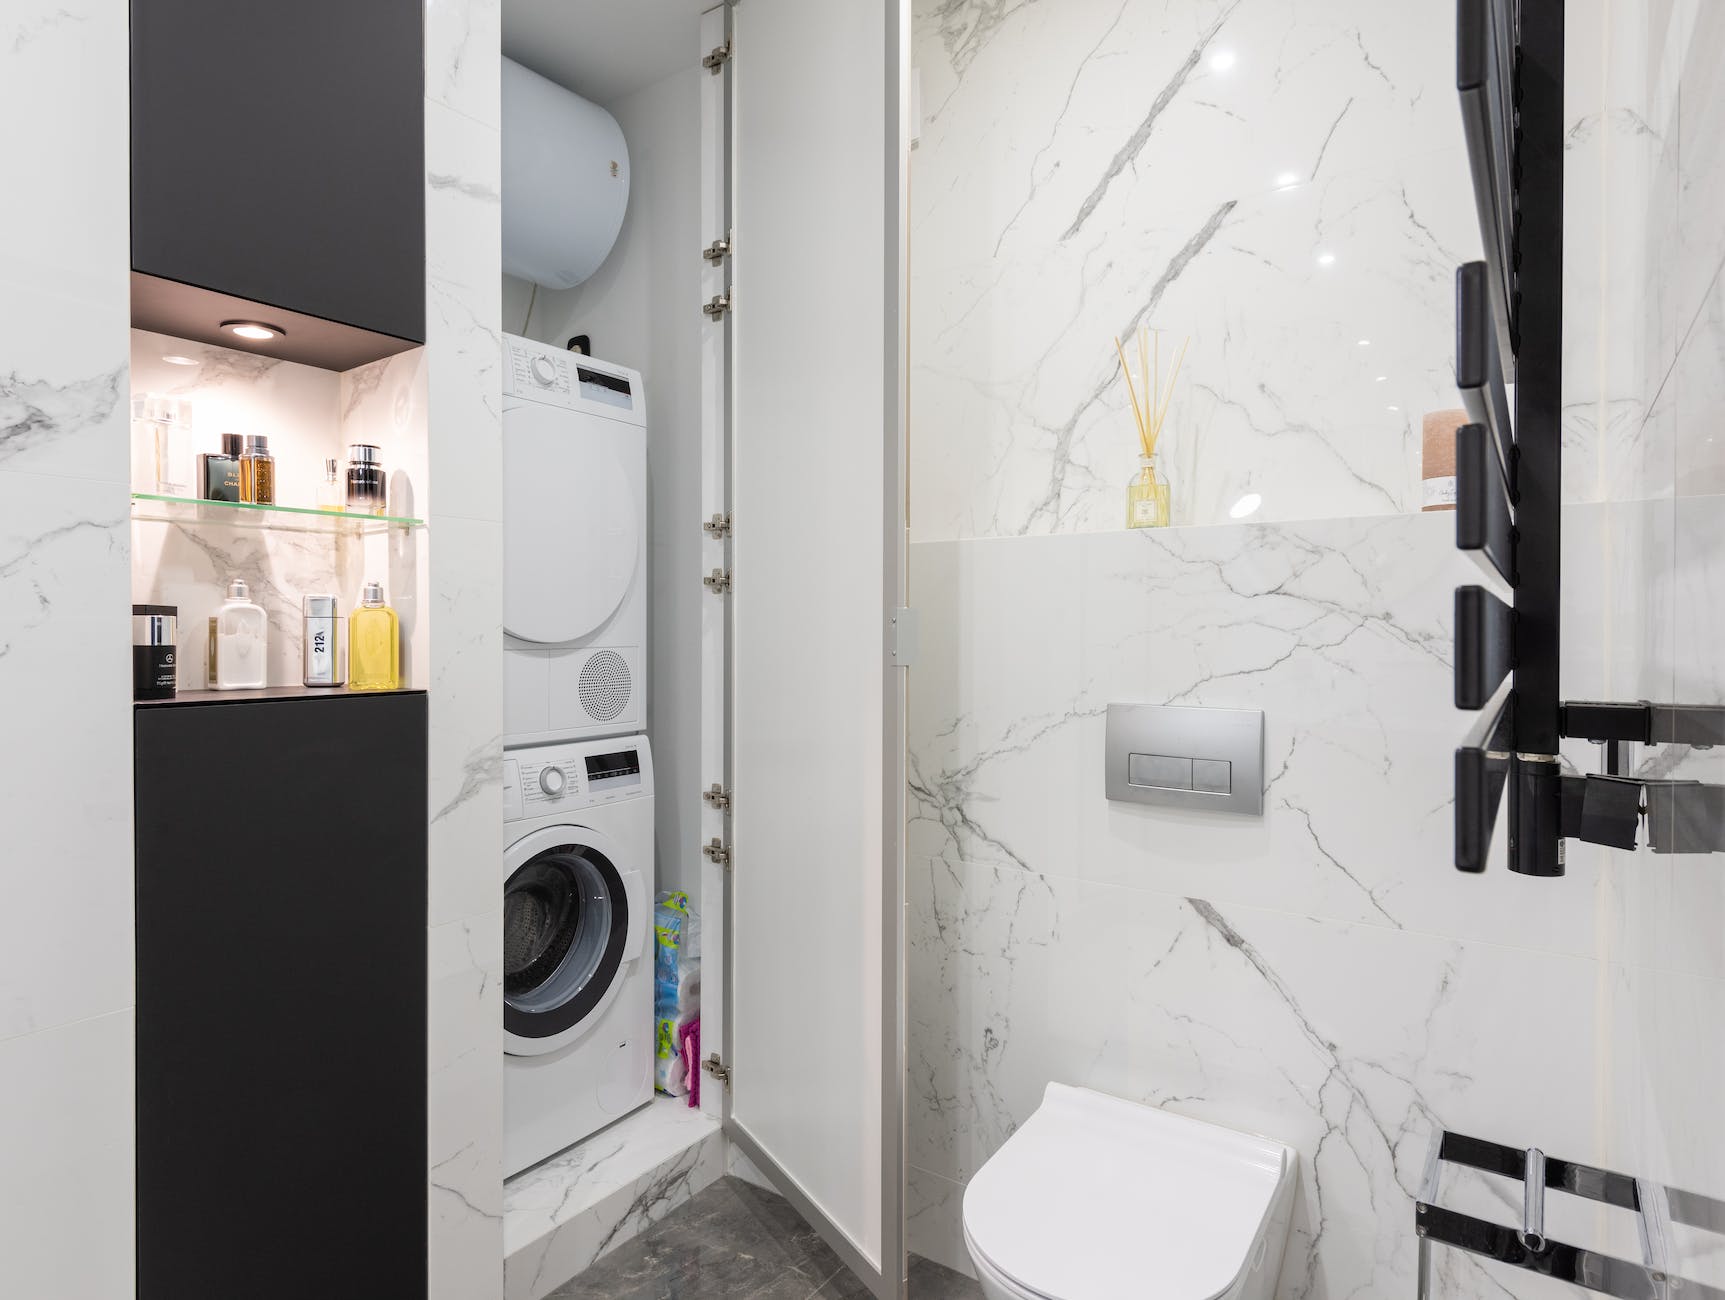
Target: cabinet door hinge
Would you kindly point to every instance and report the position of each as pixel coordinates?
(718, 797)
(717, 57)
(718, 581)
(718, 1069)
(717, 526)
(718, 250)
(717, 853)
(718, 306)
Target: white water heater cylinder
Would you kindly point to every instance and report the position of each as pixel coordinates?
(565, 180)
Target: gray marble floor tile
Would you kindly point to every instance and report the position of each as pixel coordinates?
(734, 1241)
(931, 1281)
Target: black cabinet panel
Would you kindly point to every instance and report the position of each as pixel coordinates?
(278, 154)
(281, 1035)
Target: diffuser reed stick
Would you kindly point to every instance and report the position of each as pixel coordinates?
(1151, 410)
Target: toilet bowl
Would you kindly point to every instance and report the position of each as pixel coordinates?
(1096, 1198)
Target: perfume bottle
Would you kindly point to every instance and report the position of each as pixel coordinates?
(366, 492)
(322, 647)
(162, 432)
(373, 644)
(258, 471)
(239, 647)
(219, 472)
(332, 492)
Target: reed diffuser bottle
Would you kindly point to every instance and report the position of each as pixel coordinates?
(373, 644)
(1149, 500)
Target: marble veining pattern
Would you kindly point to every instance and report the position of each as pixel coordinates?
(461, 593)
(1284, 184)
(66, 1025)
(563, 1215)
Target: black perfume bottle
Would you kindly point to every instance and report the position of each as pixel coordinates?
(219, 472)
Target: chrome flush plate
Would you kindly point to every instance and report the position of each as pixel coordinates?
(1181, 756)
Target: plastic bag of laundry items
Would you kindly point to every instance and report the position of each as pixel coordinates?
(676, 990)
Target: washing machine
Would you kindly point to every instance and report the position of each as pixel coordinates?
(577, 941)
(574, 546)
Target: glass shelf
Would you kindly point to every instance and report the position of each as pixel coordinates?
(246, 514)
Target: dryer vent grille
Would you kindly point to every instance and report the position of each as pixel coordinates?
(605, 685)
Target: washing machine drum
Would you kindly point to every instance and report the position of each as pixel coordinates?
(565, 928)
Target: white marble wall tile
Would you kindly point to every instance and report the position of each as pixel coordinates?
(465, 1103)
(934, 1220)
(1254, 1019)
(63, 71)
(1340, 631)
(463, 667)
(466, 726)
(462, 72)
(1279, 183)
(66, 770)
(464, 306)
(67, 1131)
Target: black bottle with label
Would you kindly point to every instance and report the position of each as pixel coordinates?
(219, 472)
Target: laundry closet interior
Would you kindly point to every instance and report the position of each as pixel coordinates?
(771, 547)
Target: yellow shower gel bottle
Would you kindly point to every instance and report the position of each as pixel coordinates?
(373, 644)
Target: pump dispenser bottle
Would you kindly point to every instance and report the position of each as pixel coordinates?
(373, 644)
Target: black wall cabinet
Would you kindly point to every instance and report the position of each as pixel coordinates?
(278, 154)
(281, 1038)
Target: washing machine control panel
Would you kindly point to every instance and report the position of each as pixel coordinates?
(550, 778)
(541, 373)
(538, 371)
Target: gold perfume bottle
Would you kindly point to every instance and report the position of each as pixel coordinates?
(1147, 503)
(373, 644)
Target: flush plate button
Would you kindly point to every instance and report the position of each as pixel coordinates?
(1180, 756)
(1213, 775)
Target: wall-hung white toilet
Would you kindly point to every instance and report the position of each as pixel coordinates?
(1096, 1198)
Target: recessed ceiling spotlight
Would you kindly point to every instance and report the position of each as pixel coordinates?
(254, 329)
(173, 359)
(1246, 505)
(1326, 259)
(1221, 60)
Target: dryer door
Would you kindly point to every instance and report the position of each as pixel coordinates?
(571, 529)
(572, 919)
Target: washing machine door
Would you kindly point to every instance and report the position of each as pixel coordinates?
(571, 530)
(573, 918)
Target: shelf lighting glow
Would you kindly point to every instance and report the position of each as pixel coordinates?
(255, 330)
(1221, 60)
(176, 360)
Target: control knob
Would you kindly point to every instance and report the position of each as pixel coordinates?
(551, 780)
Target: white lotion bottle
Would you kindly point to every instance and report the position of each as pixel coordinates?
(242, 642)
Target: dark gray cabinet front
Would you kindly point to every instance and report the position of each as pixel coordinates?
(278, 154)
(281, 998)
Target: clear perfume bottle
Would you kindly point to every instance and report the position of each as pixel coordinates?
(240, 659)
(332, 492)
(373, 644)
(162, 427)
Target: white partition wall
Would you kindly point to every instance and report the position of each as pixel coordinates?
(816, 708)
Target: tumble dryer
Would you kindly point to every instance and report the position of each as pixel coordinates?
(577, 942)
(574, 546)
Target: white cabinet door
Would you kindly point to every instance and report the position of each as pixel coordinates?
(817, 556)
